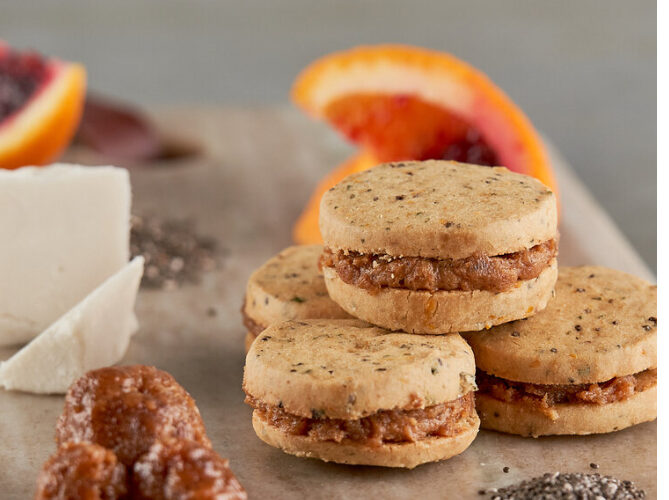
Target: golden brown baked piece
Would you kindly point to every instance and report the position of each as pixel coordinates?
(181, 470)
(346, 391)
(82, 471)
(287, 286)
(127, 409)
(439, 246)
(586, 364)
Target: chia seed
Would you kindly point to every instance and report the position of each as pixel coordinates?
(174, 253)
(568, 486)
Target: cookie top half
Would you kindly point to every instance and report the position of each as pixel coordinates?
(290, 286)
(349, 369)
(437, 209)
(601, 324)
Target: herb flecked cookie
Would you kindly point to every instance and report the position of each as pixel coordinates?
(586, 364)
(439, 246)
(348, 392)
(287, 286)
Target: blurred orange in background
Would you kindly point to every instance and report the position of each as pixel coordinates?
(41, 102)
(408, 103)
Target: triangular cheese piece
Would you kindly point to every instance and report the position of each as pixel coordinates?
(93, 334)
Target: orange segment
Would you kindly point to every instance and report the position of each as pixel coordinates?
(38, 132)
(306, 230)
(409, 103)
(396, 127)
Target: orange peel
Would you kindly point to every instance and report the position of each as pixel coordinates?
(44, 125)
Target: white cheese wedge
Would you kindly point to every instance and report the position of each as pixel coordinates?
(64, 229)
(95, 333)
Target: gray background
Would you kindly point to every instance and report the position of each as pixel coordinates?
(583, 70)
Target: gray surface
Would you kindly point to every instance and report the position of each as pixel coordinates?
(584, 70)
(206, 353)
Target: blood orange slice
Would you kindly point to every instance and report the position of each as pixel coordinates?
(408, 103)
(41, 101)
(306, 228)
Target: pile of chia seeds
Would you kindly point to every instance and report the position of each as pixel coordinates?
(569, 487)
(174, 253)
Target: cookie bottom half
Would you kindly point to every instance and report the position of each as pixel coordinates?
(572, 419)
(443, 311)
(407, 455)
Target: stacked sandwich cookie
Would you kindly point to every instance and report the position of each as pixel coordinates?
(419, 252)
(438, 247)
(287, 286)
(413, 248)
(586, 364)
(348, 392)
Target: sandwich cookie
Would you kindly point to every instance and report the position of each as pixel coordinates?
(348, 392)
(439, 246)
(288, 286)
(586, 364)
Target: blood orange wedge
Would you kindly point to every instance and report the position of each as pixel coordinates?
(306, 228)
(41, 101)
(408, 103)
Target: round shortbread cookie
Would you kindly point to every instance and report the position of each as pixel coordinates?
(437, 209)
(442, 311)
(575, 419)
(408, 455)
(290, 286)
(601, 324)
(349, 369)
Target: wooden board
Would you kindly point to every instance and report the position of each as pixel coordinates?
(254, 171)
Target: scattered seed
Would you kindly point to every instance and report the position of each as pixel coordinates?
(560, 485)
(173, 253)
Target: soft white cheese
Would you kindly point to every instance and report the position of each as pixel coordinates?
(95, 333)
(64, 229)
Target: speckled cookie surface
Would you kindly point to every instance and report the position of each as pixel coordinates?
(437, 209)
(601, 324)
(348, 369)
(290, 286)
